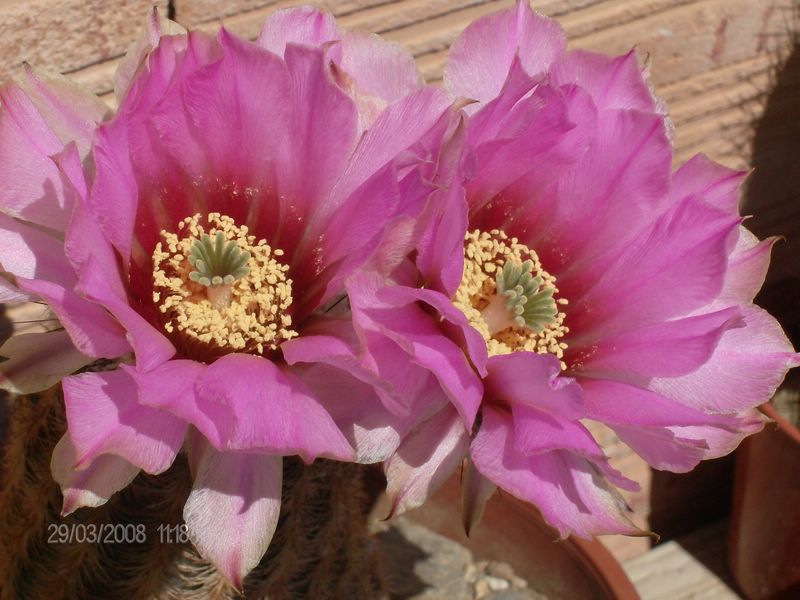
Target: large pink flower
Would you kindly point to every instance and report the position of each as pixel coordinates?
(215, 219)
(573, 276)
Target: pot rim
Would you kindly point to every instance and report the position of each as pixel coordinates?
(608, 569)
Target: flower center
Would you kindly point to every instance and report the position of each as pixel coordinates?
(508, 297)
(217, 287)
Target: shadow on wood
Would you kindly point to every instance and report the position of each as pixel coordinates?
(772, 192)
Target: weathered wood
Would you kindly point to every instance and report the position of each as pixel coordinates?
(65, 35)
(711, 59)
(690, 567)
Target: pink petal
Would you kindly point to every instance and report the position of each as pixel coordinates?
(71, 112)
(534, 380)
(151, 347)
(568, 489)
(413, 330)
(10, 292)
(747, 268)
(440, 257)
(619, 403)
(226, 100)
(31, 253)
(400, 126)
(323, 127)
(171, 387)
(662, 449)
(431, 215)
(359, 226)
(493, 121)
(374, 402)
(84, 238)
(480, 58)
(715, 184)
(95, 483)
(115, 194)
(93, 331)
(667, 349)
(722, 441)
(461, 331)
(614, 82)
(271, 410)
(589, 209)
(105, 417)
(33, 190)
(232, 510)
(37, 361)
(746, 368)
(425, 460)
(680, 449)
(334, 342)
(132, 152)
(538, 432)
(300, 25)
(636, 284)
(154, 28)
(538, 134)
(381, 68)
(373, 431)
(369, 107)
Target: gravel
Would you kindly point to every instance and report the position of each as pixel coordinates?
(423, 565)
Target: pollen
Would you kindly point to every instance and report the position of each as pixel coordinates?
(218, 288)
(509, 298)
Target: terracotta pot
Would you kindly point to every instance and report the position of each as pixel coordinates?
(764, 544)
(514, 532)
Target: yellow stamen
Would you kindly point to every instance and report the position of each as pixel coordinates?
(248, 312)
(488, 311)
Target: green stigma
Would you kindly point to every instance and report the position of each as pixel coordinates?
(528, 306)
(217, 261)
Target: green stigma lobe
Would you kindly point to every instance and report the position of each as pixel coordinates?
(527, 304)
(217, 261)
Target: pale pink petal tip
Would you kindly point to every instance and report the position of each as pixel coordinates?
(95, 483)
(233, 508)
(480, 59)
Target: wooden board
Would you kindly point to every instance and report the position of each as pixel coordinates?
(692, 567)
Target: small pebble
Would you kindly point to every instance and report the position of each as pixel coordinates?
(496, 584)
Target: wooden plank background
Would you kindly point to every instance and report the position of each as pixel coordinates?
(726, 69)
(711, 59)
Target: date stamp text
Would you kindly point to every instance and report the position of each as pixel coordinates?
(116, 533)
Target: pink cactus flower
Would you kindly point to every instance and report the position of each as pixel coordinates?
(574, 276)
(197, 234)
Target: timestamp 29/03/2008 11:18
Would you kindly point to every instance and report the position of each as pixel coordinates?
(115, 533)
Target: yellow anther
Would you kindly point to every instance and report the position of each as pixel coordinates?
(248, 314)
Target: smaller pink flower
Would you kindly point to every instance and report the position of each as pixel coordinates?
(572, 276)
